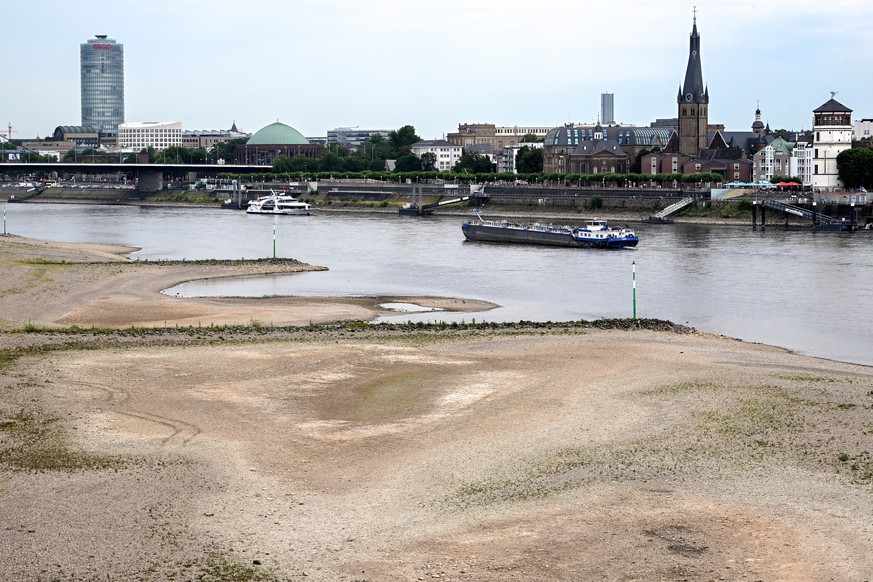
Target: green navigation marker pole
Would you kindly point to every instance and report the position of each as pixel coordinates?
(635, 287)
(274, 237)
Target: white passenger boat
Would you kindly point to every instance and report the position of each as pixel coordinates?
(278, 204)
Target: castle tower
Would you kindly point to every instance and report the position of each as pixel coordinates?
(693, 101)
(832, 134)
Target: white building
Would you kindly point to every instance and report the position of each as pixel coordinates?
(802, 162)
(831, 135)
(447, 154)
(783, 158)
(145, 134)
(863, 129)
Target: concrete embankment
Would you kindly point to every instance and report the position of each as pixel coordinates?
(550, 204)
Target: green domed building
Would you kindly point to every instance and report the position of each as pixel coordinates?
(275, 140)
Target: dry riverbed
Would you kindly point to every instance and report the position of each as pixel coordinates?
(229, 445)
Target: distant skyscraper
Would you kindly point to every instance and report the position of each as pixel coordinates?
(102, 73)
(607, 108)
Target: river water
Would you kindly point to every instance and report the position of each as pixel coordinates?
(809, 292)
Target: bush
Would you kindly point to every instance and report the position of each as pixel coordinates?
(596, 202)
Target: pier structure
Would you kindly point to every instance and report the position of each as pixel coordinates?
(819, 221)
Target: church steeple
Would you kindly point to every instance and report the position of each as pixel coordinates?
(693, 90)
(693, 101)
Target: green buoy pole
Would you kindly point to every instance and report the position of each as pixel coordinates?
(274, 237)
(634, 263)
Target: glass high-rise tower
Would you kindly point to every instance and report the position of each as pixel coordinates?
(607, 108)
(102, 73)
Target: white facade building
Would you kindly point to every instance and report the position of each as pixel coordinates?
(447, 154)
(782, 158)
(831, 134)
(145, 134)
(863, 129)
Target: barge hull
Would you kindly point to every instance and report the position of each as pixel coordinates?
(496, 234)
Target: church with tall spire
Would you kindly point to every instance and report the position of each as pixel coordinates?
(693, 101)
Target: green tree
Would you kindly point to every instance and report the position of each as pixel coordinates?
(637, 165)
(354, 164)
(331, 162)
(375, 148)
(408, 163)
(473, 163)
(428, 161)
(33, 157)
(339, 149)
(174, 155)
(377, 165)
(401, 141)
(531, 138)
(225, 151)
(199, 156)
(529, 160)
(855, 167)
(299, 163)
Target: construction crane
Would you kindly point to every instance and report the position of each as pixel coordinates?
(8, 134)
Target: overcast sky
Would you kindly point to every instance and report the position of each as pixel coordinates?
(317, 64)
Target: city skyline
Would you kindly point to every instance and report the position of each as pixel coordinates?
(316, 66)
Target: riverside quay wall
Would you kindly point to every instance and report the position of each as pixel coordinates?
(510, 195)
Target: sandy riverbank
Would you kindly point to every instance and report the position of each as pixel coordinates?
(356, 453)
(64, 284)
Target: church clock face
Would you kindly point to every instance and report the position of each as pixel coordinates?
(688, 97)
